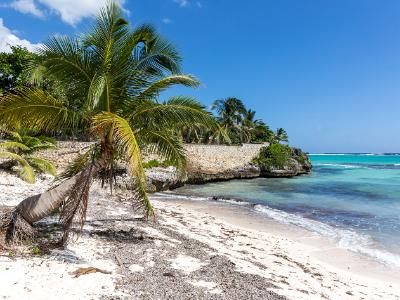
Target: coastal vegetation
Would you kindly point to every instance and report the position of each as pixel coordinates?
(105, 86)
(13, 69)
(278, 160)
(239, 123)
(275, 155)
(20, 151)
(109, 80)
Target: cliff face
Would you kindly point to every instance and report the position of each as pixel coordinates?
(206, 163)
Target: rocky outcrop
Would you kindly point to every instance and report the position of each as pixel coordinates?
(298, 164)
(205, 171)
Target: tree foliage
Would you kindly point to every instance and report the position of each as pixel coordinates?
(20, 149)
(239, 123)
(13, 69)
(111, 78)
(275, 155)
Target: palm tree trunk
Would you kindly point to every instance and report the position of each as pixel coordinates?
(37, 207)
(17, 223)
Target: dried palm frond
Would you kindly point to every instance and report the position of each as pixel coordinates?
(76, 203)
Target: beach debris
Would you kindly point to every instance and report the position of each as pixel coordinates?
(83, 271)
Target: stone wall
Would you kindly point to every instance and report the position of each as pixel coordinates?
(220, 158)
(204, 158)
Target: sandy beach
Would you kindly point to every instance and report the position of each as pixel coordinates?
(192, 250)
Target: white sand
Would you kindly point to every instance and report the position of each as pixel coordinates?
(292, 265)
(300, 266)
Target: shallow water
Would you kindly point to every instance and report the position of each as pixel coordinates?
(353, 199)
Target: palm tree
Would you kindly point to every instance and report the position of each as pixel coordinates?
(111, 79)
(20, 149)
(230, 115)
(281, 135)
(248, 126)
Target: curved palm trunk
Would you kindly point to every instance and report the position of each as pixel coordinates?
(73, 192)
(37, 207)
(17, 224)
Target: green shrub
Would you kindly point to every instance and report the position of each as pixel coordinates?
(275, 155)
(36, 251)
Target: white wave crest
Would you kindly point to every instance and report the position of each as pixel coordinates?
(166, 195)
(339, 165)
(346, 239)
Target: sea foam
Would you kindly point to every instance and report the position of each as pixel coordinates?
(346, 239)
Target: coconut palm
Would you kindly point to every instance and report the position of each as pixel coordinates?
(111, 78)
(230, 111)
(281, 135)
(20, 149)
(230, 115)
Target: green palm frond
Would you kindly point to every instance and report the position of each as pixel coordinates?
(15, 136)
(79, 163)
(164, 83)
(14, 145)
(25, 171)
(36, 109)
(43, 165)
(126, 144)
(158, 56)
(61, 58)
(177, 110)
(165, 144)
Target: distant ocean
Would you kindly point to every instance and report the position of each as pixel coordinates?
(353, 199)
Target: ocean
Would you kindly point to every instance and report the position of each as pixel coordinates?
(353, 199)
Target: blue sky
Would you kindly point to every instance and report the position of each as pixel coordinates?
(326, 71)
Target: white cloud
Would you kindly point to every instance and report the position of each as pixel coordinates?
(166, 20)
(8, 38)
(182, 3)
(26, 7)
(70, 11)
(73, 11)
(187, 3)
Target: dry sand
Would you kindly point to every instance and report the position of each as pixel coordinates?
(194, 250)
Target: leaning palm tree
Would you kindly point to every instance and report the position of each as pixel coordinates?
(111, 78)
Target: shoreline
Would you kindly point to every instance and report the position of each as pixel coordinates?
(324, 249)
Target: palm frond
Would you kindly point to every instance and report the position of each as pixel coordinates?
(41, 164)
(126, 144)
(158, 56)
(14, 145)
(76, 203)
(36, 109)
(25, 171)
(165, 144)
(79, 163)
(177, 110)
(164, 83)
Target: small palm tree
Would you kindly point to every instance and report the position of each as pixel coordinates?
(20, 149)
(281, 135)
(111, 78)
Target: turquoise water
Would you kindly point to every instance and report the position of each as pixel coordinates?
(353, 199)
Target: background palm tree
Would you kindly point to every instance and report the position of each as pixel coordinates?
(230, 113)
(110, 79)
(281, 135)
